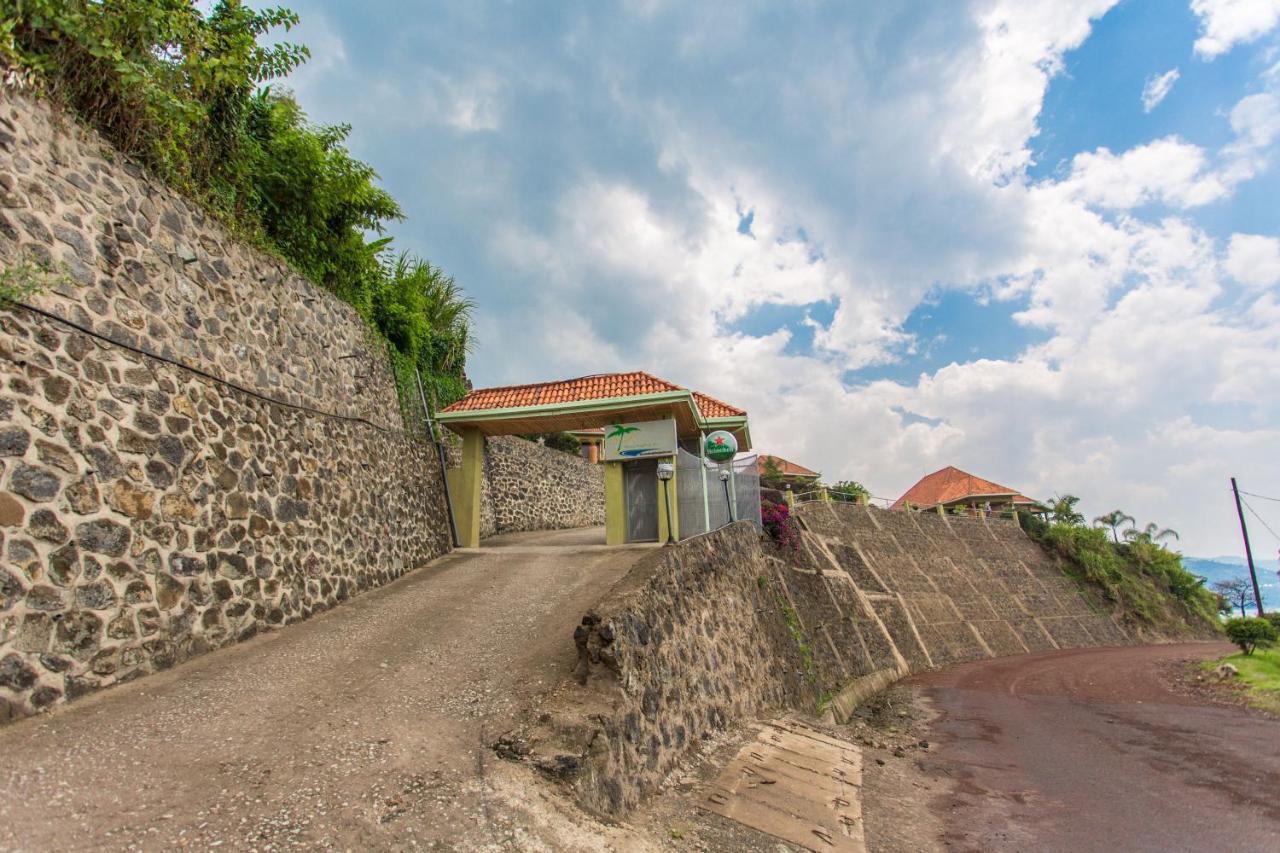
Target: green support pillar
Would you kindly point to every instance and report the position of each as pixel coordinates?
(615, 505)
(467, 497)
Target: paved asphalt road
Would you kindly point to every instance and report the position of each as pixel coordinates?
(364, 728)
(1093, 749)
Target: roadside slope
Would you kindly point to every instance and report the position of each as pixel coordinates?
(724, 629)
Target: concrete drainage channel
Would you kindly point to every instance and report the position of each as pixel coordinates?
(796, 784)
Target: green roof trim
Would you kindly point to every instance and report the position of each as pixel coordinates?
(604, 404)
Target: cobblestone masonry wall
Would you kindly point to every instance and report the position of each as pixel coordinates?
(139, 264)
(531, 487)
(148, 514)
(722, 629)
(527, 486)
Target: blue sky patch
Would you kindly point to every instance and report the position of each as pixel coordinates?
(954, 326)
(766, 319)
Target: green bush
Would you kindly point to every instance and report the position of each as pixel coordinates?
(1144, 579)
(1249, 632)
(185, 93)
(849, 491)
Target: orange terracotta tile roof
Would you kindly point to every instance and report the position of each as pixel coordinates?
(713, 408)
(785, 467)
(599, 386)
(952, 484)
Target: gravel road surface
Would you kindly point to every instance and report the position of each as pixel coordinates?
(1094, 749)
(364, 728)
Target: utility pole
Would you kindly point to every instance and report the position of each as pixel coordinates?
(1248, 552)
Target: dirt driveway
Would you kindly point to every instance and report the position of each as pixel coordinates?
(1093, 749)
(364, 728)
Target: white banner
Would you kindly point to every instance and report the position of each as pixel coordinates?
(642, 440)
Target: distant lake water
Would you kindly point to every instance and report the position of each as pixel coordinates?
(1225, 568)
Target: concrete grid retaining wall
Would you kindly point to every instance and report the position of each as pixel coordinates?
(147, 512)
(723, 629)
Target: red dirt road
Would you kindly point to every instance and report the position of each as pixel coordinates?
(1092, 749)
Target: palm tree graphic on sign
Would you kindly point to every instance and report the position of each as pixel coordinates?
(620, 432)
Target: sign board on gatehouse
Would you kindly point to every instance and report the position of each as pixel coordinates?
(720, 446)
(642, 440)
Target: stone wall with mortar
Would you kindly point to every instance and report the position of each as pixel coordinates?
(528, 486)
(696, 638)
(531, 487)
(150, 512)
(724, 628)
(137, 263)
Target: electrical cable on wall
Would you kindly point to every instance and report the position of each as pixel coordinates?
(202, 373)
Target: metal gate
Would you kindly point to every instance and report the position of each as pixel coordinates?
(709, 501)
(745, 482)
(640, 485)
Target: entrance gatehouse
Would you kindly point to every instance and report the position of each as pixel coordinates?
(673, 458)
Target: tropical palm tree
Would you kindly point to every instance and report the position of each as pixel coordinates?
(1114, 520)
(1063, 510)
(1152, 533)
(620, 432)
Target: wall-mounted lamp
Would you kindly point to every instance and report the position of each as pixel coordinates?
(728, 502)
(666, 471)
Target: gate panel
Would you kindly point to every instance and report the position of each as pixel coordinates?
(640, 484)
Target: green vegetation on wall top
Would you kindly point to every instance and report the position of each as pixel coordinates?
(1140, 579)
(186, 93)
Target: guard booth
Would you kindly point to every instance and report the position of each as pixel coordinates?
(672, 457)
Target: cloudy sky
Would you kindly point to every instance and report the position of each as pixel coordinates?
(1035, 240)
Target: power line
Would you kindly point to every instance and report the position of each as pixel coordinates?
(1261, 520)
(1264, 497)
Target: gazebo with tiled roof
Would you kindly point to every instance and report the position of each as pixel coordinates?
(951, 487)
(569, 405)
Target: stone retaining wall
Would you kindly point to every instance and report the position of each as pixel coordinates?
(531, 487)
(906, 591)
(149, 513)
(527, 486)
(137, 263)
(724, 628)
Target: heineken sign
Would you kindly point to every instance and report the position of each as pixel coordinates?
(720, 446)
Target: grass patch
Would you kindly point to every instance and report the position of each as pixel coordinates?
(1259, 675)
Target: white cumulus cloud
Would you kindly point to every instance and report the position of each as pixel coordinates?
(1158, 88)
(1254, 260)
(1226, 23)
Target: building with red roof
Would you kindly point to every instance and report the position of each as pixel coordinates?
(636, 507)
(952, 488)
(783, 472)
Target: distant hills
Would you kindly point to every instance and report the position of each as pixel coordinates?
(1226, 567)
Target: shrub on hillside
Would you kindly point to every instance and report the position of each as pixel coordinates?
(779, 525)
(1250, 632)
(562, 441)
(849, 491)
(1145, 579)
